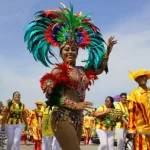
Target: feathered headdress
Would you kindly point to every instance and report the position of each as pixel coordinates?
(52, 28)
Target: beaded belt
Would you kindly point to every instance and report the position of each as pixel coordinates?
(72, 117)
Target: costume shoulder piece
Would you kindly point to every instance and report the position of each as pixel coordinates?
(53, 28)
(55, 78)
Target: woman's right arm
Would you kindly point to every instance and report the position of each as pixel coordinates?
(101, 113)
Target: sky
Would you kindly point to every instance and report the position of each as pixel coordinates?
(127, 20)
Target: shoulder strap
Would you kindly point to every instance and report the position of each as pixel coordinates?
(120, 105)
(9, 104)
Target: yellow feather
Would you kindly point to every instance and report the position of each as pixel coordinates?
(80, 14)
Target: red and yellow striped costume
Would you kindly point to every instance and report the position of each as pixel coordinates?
(88, 125)
(33, 126)
(24, 136)
(124, 109)
(15, 113)
(139, 118)
(89, 122)
(100, 124)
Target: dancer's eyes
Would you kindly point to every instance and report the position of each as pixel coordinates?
(67, 49)
(73, 48)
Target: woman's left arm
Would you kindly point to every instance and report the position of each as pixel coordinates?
(111, 42)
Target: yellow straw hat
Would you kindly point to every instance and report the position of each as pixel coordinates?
(39, 102)
(89, 110)
(138, 73)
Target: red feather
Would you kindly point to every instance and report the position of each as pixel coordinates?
(91, 76)
(61, 77)
(48, 36)
(64, 75)
(86, 40)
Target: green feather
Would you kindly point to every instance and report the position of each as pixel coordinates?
(60, 20)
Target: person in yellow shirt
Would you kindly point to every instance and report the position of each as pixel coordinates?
(47, 133)
(121, 127)
(34, 129)
(39, 115)
(88, 125)
(1, 115)
(48, 139)
(2, 134)
(30, 119)
(1, 106)
(15, 118)
(24, 136)
(106, 122)
(25, 131)
(139, 110)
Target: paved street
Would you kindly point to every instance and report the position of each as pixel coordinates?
(30, 146)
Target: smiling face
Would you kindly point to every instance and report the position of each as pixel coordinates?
(16, 96)
(69, 54)
(142, 80)
(39, 106)
(123, 98)
(108, 102)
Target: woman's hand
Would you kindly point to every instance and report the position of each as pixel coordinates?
(49, 90)
(83, 105)
(124, 120)
(108, 110)
(110, 44)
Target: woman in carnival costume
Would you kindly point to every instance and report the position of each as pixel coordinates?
(139, 110)
(15, 118)
(66, 84)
